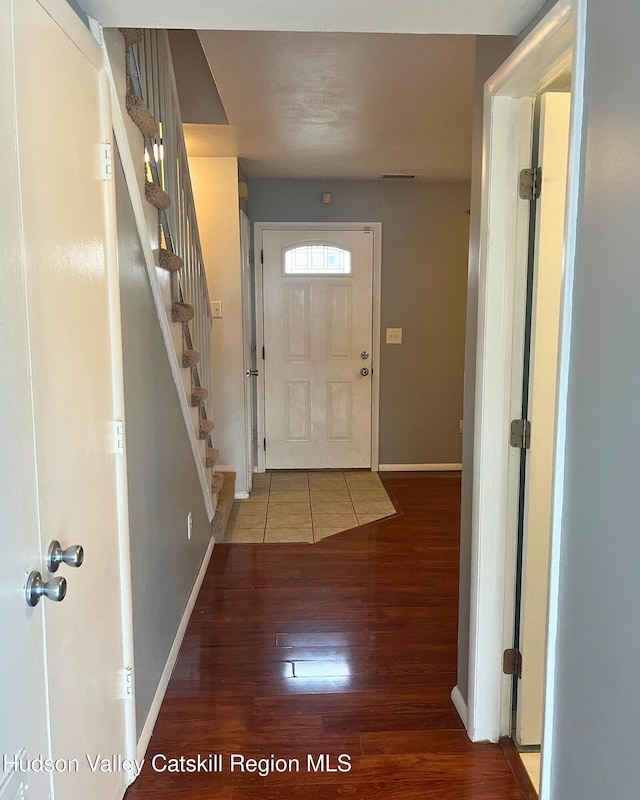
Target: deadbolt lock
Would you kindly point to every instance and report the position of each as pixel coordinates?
(364, 355)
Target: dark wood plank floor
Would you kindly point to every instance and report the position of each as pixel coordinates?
(346, 646)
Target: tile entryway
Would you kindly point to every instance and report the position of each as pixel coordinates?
(307, 506)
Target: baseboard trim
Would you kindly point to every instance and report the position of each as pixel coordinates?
(241, 496)
(420, 467)
(154, 711)
(460, 705)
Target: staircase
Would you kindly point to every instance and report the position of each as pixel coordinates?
(155, 164)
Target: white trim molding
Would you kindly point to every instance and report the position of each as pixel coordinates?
(555, 44)
(376, 227)
(420, 467)
(460, 705)
(154, 711)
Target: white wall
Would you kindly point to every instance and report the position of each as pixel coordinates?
(215, 190)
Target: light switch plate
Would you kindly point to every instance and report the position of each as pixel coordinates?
(394, 336)
(216, 309)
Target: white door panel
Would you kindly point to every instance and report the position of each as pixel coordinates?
(67, 284)
(23, 711)
(316, 326)
(553, 159)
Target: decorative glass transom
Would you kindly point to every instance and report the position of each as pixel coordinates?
(317, 259)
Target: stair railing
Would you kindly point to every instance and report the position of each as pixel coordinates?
(152, 75)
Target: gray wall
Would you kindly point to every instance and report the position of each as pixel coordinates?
(200, 102)
(424, 261)
(162, 478)
(491, 51)
(597, 708)
(79, 11)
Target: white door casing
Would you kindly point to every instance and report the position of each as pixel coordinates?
(69, 295)
(553, 154)
(318, 405)
(556, 43)
(248, 344)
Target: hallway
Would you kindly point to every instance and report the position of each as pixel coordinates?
(349, 649)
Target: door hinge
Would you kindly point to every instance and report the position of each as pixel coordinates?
(264, 445)
(263, 353)
(530, 183)
(520, 434)
(126, 683)
(512, 662)
(118, 436)
(106, 161)
(262, 256)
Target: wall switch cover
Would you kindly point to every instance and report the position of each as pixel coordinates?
(216, 309)
(394, 336)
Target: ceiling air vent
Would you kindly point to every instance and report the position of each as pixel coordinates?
(397, 176)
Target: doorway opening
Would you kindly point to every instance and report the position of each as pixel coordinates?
(317, 342)
(539, 389)
(553, 51)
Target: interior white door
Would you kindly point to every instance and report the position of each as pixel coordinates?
(248, 345)
(68, 293)
(318, 311)
(23, 712)
(545, 322)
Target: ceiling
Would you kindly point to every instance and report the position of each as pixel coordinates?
(374, 16)
(336, 105)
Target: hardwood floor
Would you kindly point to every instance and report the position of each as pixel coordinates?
(347, 646)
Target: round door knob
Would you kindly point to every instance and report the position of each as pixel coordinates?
(73, 556)
(54, 589)
(364, 371)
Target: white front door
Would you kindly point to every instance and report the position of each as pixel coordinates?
(318, 312)
(553, 154)
(68, 288)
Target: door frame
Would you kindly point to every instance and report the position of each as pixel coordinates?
(376, 227)
(557, 42)
(246, 266)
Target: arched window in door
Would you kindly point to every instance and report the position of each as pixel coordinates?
(316, 258)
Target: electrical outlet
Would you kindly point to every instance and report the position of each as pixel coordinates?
(216, 309)
(189, 525)
(394, 336)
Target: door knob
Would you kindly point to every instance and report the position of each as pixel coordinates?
(253, 373)
(364, 371)
(54, 589)
(364, 355)
(73, 556)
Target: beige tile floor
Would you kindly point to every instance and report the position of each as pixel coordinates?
(531, 763)
(307, 506)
